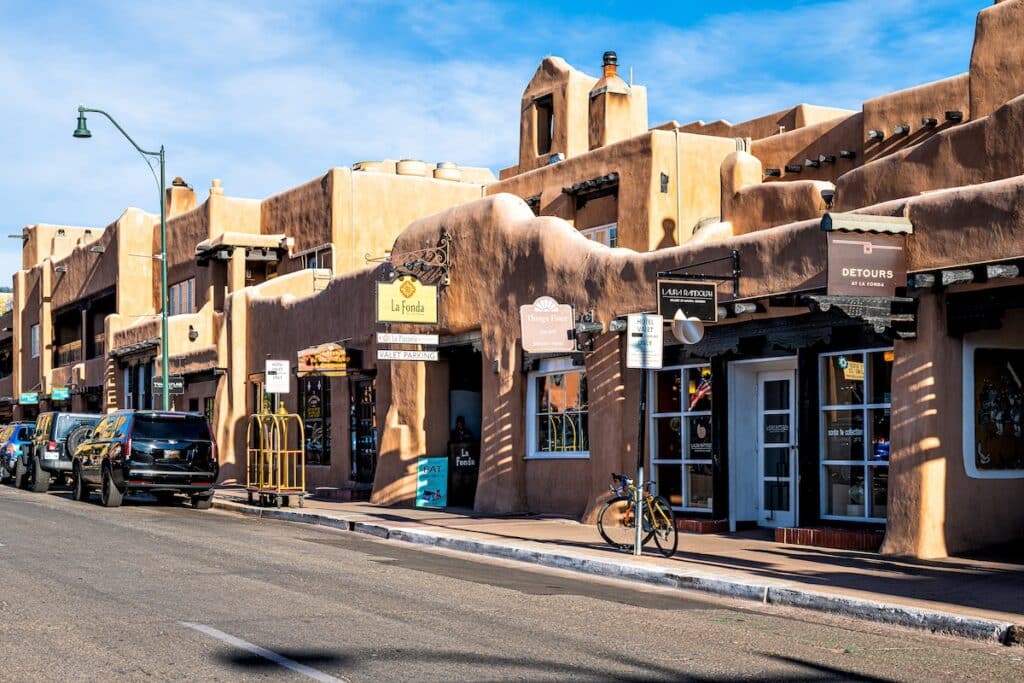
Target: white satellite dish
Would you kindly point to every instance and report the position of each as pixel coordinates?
(688, 330)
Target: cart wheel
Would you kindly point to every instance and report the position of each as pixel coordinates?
(302, 501)
(286, 501)
(249, 496)
(277, 500)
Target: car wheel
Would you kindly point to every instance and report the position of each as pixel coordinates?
(40, 477)
(110, 496)
(79, 491)
(20, 473)
(204, 502)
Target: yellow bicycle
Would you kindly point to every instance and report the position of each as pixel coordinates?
(617, 519)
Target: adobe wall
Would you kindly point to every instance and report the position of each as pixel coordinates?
(750, 205)
(570, 90)
(997, 56)
(794, 147)
(931, 100)
(980, 151)
(648, 218)
(47, 241)
(935, 508)
(693, 195)
(303, 212)
(88, 272)
(769, 125)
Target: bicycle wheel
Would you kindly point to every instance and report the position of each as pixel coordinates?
(663, 521)
(617, 524)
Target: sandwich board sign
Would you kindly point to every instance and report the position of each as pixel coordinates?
(432, 482)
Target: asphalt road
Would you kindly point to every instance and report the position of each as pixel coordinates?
(149, 593)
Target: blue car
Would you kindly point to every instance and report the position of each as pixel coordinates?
(15, 444)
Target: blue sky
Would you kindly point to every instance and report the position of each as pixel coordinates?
(266, 95)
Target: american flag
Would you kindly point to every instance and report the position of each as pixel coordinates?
(703, 390)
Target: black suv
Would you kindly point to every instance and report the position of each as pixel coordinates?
(163, 453)
(55, 439)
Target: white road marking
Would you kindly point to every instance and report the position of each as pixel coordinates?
(265, 653)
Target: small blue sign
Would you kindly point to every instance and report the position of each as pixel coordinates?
(60, 394)
(28, 398)
(432, 483)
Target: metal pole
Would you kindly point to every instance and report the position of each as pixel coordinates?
(639, 506)
(164, 351)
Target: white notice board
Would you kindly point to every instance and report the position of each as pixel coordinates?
(644, 341)
(278, 377)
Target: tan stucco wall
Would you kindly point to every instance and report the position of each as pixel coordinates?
(647, 217)
(976, 152)
(931, 100)
(935, 509)
(996, 74)
(750, 205)
(570, 90)
(800, 116)
(794, 147)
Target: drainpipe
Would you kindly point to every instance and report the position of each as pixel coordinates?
(679, 194)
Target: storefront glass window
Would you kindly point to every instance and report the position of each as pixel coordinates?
(315, 411)
(682, 440)
(856, 410)
(559, 413)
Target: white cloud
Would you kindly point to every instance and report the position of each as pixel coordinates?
(266, 95)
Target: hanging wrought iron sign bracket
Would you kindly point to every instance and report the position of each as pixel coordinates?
(734, 257)
(432, 265)
(893, 315)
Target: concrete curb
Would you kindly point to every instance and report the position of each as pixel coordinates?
(975, 628)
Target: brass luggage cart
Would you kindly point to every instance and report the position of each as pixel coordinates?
(275, 459)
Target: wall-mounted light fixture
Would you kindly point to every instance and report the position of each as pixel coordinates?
(876, 135)
(929, 122)
(955, 116)
(828, 195)
(901, 129)
(847, 154)
(794, 168)
(97, 249)
(773, 172)
(193, 333)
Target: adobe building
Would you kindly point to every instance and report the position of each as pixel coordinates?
(859, 382)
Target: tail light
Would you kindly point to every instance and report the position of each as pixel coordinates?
(51, 445)
(10, 448)
(213, 449)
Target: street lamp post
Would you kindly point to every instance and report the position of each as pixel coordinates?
(82, 131)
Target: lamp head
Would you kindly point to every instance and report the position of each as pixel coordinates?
(82, 131)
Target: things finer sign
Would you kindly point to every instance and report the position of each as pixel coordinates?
(545, 325)
(865, 264)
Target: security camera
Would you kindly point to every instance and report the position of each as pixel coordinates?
(828, 195)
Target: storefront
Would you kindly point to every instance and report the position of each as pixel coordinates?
(775, 423)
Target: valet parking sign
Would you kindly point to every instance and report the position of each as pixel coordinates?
(645, 335)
